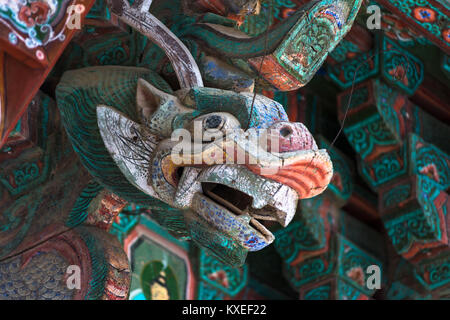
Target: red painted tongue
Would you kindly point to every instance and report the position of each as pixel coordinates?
(307, 178)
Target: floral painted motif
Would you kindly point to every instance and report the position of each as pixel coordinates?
(35, 13)
(35, 23)
(424, 14)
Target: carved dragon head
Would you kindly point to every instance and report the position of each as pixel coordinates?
(225, 186)
(225, 161)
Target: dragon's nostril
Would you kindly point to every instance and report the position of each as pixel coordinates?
(285, 131)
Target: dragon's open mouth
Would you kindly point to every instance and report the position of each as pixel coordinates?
(240, 204)
(237, 201)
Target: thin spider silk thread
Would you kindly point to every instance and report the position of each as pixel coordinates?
(397, 78)
(262, 62)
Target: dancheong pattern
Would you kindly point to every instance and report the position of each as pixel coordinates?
(358, 208)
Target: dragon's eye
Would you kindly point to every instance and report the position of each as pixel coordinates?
(212, 126)
(213, 122)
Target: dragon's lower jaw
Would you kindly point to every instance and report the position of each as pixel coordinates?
(232, 199)
(241, 227)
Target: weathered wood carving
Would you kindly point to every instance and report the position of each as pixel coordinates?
(167, 115)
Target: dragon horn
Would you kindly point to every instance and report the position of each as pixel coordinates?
(138, 17)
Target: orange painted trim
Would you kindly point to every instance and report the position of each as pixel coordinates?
(274, 73)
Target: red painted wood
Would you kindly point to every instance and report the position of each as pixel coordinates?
(26, 74)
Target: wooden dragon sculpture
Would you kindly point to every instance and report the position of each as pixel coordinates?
(125, 122)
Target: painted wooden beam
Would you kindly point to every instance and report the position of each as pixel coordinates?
(27, 66)
(434, 16)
